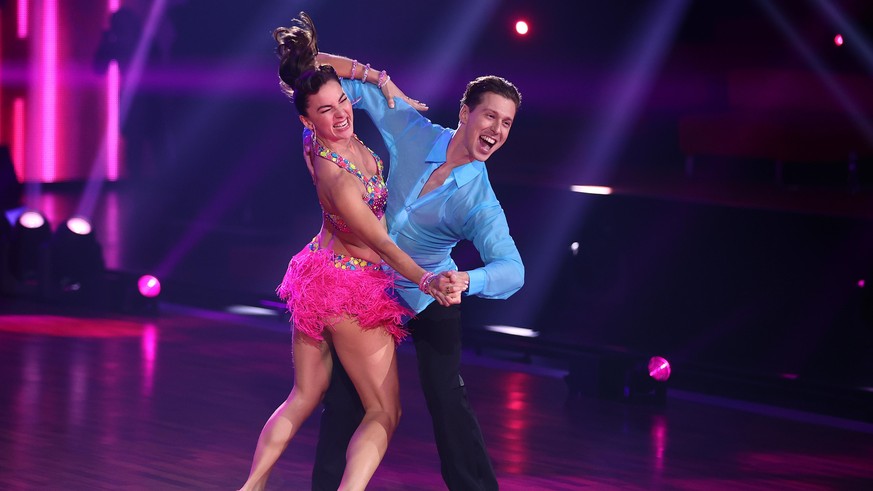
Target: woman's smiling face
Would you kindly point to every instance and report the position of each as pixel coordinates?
(330, 112)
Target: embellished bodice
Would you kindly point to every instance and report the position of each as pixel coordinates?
(376, 191)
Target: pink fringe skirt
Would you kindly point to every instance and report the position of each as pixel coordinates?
(321, 288)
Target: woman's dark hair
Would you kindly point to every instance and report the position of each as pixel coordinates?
(300, 74)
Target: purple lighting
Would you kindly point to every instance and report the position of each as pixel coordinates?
(838, 40)
(659, 369)
(149, 286)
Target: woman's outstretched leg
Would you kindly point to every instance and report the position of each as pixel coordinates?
(369, 357)
(312, 366)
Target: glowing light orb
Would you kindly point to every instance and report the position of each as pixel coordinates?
(861, 283)
(521, 27)
(31, 219)
(79, 225)
(149, 286)
(838, 40)
(574, 248)
(659, 368)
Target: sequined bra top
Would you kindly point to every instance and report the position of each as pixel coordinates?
(376, 195)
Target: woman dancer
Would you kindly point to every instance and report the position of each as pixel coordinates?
(335, 287)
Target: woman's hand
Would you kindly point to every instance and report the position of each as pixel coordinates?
(447, 287)
(390, 91)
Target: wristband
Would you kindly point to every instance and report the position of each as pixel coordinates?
(425, 279)
(383, 79)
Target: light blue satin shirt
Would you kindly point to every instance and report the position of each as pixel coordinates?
(464, 207)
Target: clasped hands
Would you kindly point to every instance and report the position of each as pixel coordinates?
(447, 287)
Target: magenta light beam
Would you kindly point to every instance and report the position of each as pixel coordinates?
(113, 84)
(23, 18)
(49, 89)
(18, 132)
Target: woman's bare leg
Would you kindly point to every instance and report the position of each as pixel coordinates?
(369, 357)
(312, 366)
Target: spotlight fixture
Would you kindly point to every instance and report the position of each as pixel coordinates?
(29, 250)
(659, 368)
(6, 281)
(634, 379)
(77, 261)
(79, 225)
(148, 286)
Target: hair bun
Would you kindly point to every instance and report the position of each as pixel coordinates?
(297, 49)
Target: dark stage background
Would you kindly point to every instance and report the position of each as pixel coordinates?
(736, 136)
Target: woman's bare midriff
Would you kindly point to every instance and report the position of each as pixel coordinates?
(346, 244)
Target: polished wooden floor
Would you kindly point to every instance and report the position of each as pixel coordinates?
(176, 401)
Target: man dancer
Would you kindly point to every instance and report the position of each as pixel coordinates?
(439, 194)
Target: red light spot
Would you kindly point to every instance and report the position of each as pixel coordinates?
(838, 40)
(521, 27)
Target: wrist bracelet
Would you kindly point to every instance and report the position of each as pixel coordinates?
(425, 279)
(354, 69)
(366, 71)
(383, 79)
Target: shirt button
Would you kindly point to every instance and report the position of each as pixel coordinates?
(423, 181)
(408, 208)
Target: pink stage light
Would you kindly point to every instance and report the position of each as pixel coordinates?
(18, 131)
(31, 219)
(838, 40)
(861, 283)
(113, 84)
(659, 369)
(113, 6)
(79, 225)
(521, 27)
(48, 79)
(149, 286)
(23, 18)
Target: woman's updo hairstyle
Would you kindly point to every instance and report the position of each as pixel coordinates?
(300, 74)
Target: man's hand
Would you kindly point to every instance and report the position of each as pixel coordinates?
(447, 287)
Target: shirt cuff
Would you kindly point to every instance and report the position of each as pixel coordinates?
(477, 281)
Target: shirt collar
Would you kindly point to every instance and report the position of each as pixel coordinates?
(463, 173)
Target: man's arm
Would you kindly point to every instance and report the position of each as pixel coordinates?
(503, 272)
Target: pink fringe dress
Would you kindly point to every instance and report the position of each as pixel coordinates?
(321, 287)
